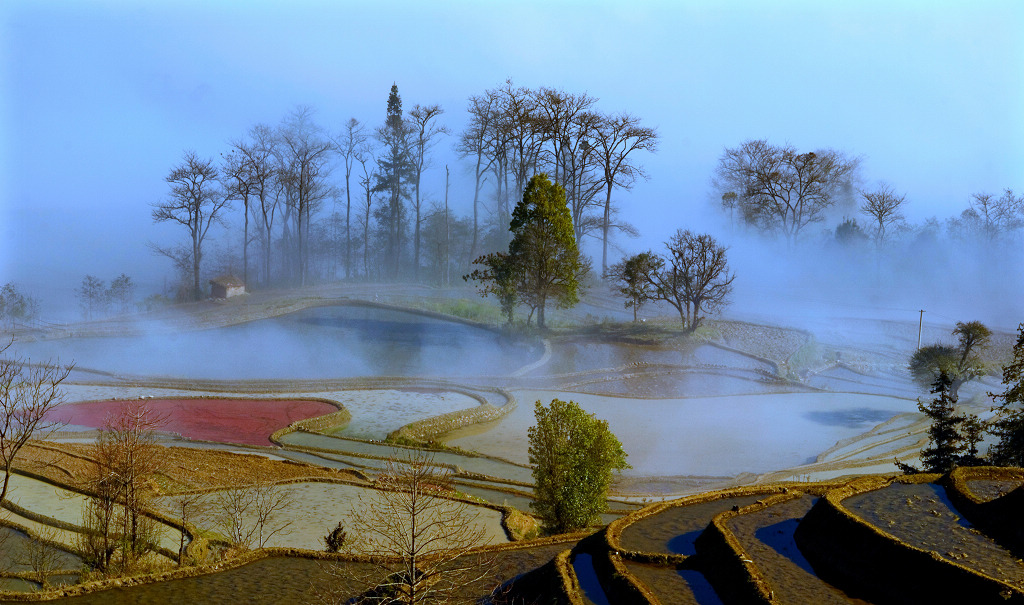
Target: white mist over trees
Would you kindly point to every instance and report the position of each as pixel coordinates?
(279, 184)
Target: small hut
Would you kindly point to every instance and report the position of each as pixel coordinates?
(226, 287)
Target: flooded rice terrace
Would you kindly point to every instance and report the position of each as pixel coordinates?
(689, 415)
(724, 435)
(340, 341)
(680, 410)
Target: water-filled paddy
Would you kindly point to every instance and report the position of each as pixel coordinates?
(748, 433)
(375, 413)
(245, 421)
(485, 466)
(67, 506)
(572, 357)
(323, 342)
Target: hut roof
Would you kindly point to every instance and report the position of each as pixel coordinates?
(227, 281)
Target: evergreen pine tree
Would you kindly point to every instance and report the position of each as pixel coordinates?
(946, 443)
(393, 174)
(1009, 427)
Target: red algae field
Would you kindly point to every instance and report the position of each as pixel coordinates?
(242, 421)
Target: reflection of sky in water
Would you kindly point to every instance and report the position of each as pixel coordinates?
(324, 342)
(707, 435)
(852, 418)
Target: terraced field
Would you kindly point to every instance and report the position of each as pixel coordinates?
(758, 428)
(894, 539)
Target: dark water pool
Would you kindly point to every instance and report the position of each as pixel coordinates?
(325, 342)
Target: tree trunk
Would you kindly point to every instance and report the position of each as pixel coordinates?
(348, 223)
(604, 238)
(245, 245)
(7, 480)
(416, 236)
(196, 289)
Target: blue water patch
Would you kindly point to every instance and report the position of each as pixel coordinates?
(584, 566)
(702, 590)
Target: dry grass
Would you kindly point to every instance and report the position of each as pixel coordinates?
(183, 469)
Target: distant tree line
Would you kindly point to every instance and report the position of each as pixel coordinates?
(317, 206)
(96, 299)
(16, 307)
(778, 191)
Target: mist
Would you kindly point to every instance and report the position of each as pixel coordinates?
(103, 103)
(92, 129)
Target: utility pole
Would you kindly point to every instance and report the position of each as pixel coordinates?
(920, 324)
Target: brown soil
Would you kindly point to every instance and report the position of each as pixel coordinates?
(990, 489)
(922, 516)
(674, 530)
(674, 586)
(183, 469)
(767, 537)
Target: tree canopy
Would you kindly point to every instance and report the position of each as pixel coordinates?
(1009, 423)
(694, 276)
(961, 363)
(780, 190)
(543, 261)
(573, 455)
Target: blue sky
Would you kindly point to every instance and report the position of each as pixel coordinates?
(99, 99)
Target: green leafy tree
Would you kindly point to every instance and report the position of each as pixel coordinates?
(1009, 424)
(573, 455)
(500, 277)
(543, 248)
(961, 363)
(633, 279)
(849, 233)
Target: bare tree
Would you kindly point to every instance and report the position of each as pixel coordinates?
(303, 156)
(998, 215)
(188, 506)
(258, 155)
(348, 146)
(474, 142)
(28, 393)
(556, 111)
(780, 190)
(15, 306)
(425, 132)
(522, 135)
(195, 203)
(616, 138)
(418, 538)
(122, 292)
(92, 297)
(582, 172)
(694, 278)
(251, 515)
(884, 207)
(248, 171)
(366, 181)
(126, 459)
(42, 556)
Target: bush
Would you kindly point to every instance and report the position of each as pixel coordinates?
(336, 540)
